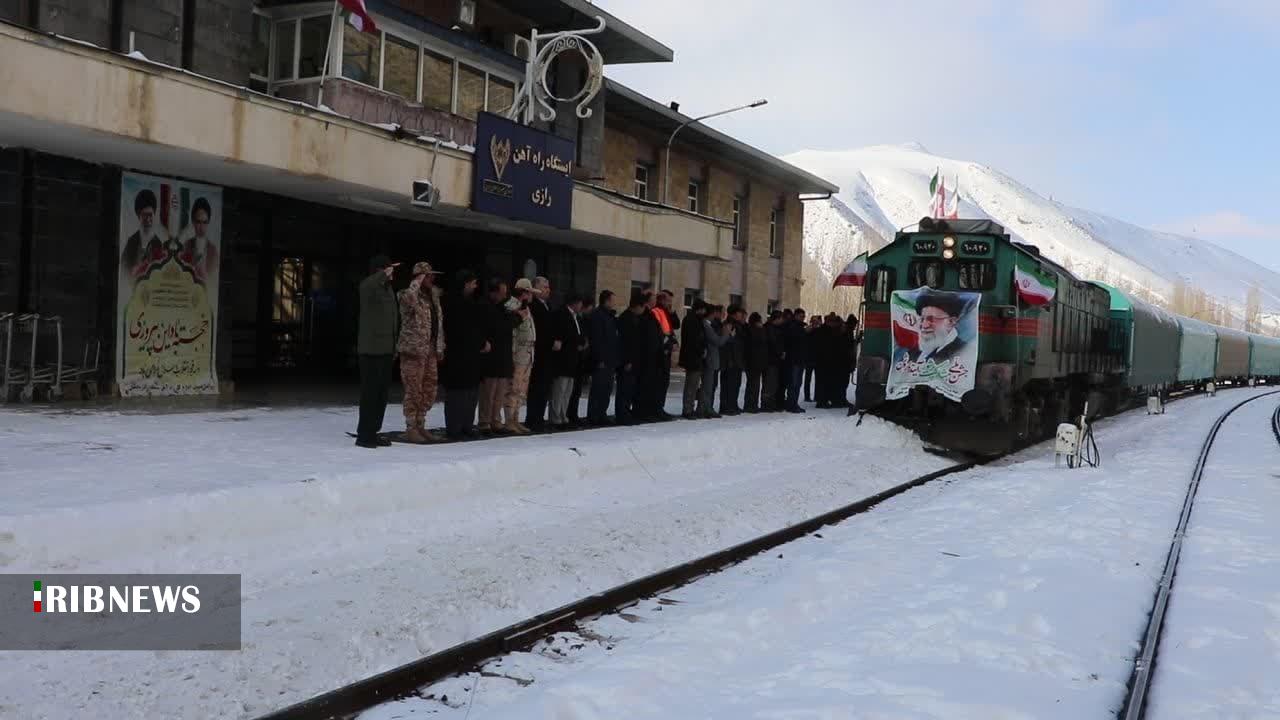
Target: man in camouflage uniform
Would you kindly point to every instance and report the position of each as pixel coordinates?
(421, 346)
(524, 339)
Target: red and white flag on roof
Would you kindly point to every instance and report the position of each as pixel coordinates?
(938, 199)
(358, 15)
(953, 202)
(854, 274)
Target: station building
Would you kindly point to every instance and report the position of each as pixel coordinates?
(177, 181)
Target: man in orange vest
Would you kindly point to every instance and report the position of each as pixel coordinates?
(670, 323)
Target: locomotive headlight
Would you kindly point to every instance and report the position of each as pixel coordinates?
(948, 242)
(948, 254)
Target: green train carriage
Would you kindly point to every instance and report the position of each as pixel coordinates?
(1036, 364)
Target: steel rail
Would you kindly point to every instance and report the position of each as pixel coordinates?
(1140, 681)
(398, 682)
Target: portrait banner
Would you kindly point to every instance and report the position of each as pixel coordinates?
(167, 295)
(935, 342)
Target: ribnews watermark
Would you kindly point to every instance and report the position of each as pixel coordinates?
(119, 612)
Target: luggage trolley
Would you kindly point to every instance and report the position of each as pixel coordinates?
(27, 393)
(56, 374)
(12, 376)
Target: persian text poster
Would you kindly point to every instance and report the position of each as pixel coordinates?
(167, 297)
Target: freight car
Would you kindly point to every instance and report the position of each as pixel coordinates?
(1198, 353)
(1233, 355)
(1264, 358)
(979, 342)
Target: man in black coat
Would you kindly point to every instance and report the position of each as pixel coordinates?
(638, 346)
(499, 363)
(756, 359)
(693, 348)
(568, 342)
(606, 357)
(796, 347)
(733, 361)
(583, 377)
(829, 360)
(650, 395)
(771, 398)
(466, 330)
(541, 376)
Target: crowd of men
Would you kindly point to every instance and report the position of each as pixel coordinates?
(497, 349)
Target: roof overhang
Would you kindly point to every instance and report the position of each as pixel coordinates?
(620, 43)
(622, 101)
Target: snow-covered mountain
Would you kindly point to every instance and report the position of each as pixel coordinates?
(884, 188)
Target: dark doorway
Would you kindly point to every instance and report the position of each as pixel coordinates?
(307, 332)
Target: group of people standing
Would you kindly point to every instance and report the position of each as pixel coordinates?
(498, 348)
(778, 356)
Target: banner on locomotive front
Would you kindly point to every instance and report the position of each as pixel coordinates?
(935, 342)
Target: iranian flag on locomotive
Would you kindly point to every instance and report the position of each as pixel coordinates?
(935, 342)
(1034, 289)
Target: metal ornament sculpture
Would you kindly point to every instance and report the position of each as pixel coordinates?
(535, 91)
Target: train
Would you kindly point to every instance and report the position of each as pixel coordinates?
(980, 343)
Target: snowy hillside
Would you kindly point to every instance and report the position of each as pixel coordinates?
(884, 188)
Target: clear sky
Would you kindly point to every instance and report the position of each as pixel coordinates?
(1160, 112)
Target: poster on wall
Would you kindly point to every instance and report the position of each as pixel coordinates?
(167, 295)
(935, 342)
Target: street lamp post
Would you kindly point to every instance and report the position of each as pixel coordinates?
(666, 181)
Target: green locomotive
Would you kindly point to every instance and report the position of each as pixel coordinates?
(980, 342)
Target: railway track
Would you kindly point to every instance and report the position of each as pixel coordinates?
(1135, 706)
(345, 702)
(1275, 423)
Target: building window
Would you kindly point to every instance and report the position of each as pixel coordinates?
(312, 45)
(292, 50)
(260, 53)
(775, 222)
(639, 286)
(774, 306)
(400, 68)
(641, 189)
(361, 56)
(286, 43)
(737, 221)
(470, 92)
(694, 192)
(735, 300)
(437, 81)
(690, 296)
(502, 95)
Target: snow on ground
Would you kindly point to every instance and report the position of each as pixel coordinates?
(887, 187)
(1008, 592)
(355, 561)
(1219, 654)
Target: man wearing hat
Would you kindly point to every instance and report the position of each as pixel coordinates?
(421, 347)
(375, 348)
(524, 341)
(939, 314)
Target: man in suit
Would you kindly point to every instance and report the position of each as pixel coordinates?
(939, 340)
(568, 342)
